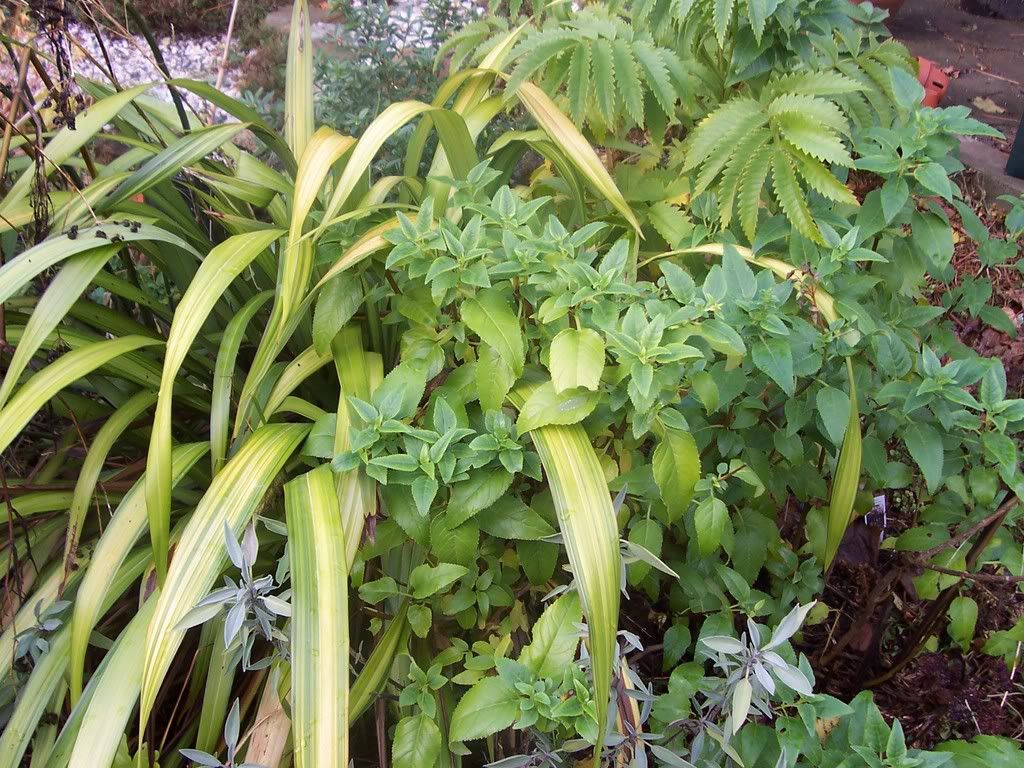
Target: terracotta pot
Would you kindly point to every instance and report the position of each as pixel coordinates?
(892, 6)
(934, 80)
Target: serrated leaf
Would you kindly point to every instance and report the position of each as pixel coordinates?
(791, 197)
(490, 317)
(488, 707)
(554, 637)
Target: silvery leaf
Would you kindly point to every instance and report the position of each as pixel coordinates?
(723, 644)
(789, 625)
(795, 679)
(234, 551)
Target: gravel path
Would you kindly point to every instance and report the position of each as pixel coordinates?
(196, 58)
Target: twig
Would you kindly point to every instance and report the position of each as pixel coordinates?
(380, 715)
(985, 578)
(922, 631)
(963, 536)
(13, 112)
(227, 45)
(999, 77)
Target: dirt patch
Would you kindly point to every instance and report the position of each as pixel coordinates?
(983, 57)
(1007, 293)
(940, 696)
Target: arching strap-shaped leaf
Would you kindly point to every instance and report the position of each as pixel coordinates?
(33, 699)
(49, 673)
(89, 472)
(60, 294)
(451, 130)
(323, 150)
(220, 399)
(319, 628)
(114, 696)
(298, 80)
(370, 681)
(586, 518)
(68, 141)
(16, 273)
(189, 149)
(566, 136)
(67, 369)
(120, 535)
(301, 367)
(231, 499)
(218, 270)
(45, 593)
(245, 114)
(369, 243)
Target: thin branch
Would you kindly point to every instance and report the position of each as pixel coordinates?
(983, 578)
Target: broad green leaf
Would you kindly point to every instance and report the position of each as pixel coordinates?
(963, 616)
(488, 707)
(710, 519)
(494, 378)
(554, 638)
(546, 406)
(925, 445)
(490, 317)
(338, 301)
(774, 356)
(1000, 449)
(577, 359)
(479, 491)
(677, 469)
(427, 580)
(510, 518)
(417, 742)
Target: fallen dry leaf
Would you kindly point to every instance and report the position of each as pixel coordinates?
(985, 104)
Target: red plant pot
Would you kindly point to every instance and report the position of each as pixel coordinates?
(934, 80)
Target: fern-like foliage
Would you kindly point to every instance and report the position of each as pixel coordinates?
(789, 136)
(611, 74)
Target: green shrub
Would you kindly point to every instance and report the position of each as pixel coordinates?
(202, 17)
(414, 433)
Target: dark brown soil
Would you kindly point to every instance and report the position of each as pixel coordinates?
(941, 696)
(1007, 293)
(983, 56)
